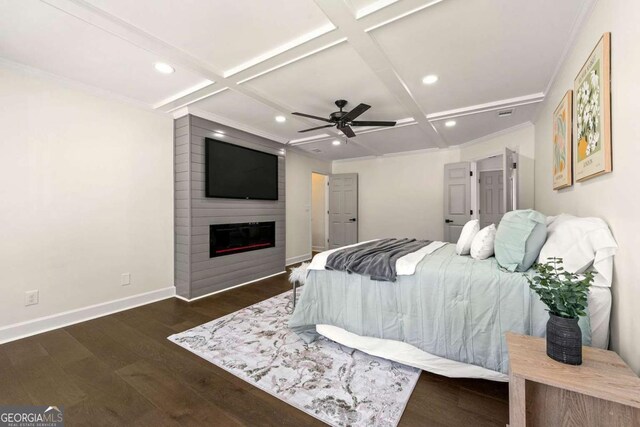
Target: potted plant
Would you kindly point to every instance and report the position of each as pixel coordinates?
(565, 294)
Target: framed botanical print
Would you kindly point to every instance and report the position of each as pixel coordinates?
(592, 91)
(562, 143)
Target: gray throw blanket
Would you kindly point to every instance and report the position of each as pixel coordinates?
(376, 259)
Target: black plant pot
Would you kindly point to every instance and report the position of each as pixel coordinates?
(564, 340)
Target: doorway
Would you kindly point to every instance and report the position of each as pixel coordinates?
(319, 212)
(465, 198)
(490, 190)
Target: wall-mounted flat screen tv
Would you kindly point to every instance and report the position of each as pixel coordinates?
(234, 172)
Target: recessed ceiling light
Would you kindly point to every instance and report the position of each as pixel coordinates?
(450, 123)
(336, 142)
(164, 68)
(281, 119)
(430, 79)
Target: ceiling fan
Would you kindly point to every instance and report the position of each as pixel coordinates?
(344, 120)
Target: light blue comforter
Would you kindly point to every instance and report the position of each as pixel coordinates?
(453, 306)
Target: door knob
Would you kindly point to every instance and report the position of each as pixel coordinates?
(352, 219)
(448, 221)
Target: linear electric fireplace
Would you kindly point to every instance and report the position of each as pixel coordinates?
(228, 239)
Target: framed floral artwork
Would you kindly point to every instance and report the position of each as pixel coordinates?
(562, 148)
(592, 91)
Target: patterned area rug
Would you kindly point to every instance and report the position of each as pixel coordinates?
(336, 384)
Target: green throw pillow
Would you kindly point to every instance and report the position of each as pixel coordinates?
(520, 236)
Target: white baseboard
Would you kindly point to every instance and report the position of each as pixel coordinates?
(297, 259)
(66, 318)
(227, 289)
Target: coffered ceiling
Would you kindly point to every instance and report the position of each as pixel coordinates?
(244, 62)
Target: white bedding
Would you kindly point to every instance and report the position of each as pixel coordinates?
(405, 266)
(599, 309)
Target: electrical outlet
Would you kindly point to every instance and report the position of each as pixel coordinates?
(125, 279)
(31, 297)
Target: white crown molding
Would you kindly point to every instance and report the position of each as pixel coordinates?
(59, 320)
(489, 106)
(436, 149)
(584, 14)
(398, 154)
(494, 135)
(233, 124)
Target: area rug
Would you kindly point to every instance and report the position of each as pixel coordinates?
(336, 384)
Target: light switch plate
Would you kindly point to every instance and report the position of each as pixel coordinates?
(31, 297)
(125, 279)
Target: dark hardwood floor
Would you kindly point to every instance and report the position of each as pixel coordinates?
(122, 370)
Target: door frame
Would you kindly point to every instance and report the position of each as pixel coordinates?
(475, 188)
(326, 210)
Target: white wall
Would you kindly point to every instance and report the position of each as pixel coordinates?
(613, 197)
(298, 182)
(87, 194)
(318, 211)
(402, 195)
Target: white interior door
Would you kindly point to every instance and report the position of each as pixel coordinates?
(510, 176)
(491, 197)
(343, 210)
(457, 199)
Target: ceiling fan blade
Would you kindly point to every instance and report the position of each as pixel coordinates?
(361, 123)
(347, 131)
(319, 127)
(312, 117)
(355, 112)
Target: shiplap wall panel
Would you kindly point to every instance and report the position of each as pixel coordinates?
(195, 213)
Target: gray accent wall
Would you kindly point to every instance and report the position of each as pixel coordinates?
(197, 274)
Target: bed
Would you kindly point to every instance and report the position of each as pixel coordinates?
(448, 316)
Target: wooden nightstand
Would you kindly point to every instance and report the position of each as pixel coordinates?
(603, 391)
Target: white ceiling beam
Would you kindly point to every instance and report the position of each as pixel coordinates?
(373, 56)
(489, 106)
(379, 63)
(125, 31)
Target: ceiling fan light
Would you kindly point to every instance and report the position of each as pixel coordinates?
(281, 119)
(336, 142)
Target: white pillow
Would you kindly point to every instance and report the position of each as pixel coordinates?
(467, 234)
(581, 243)
(482, 245)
